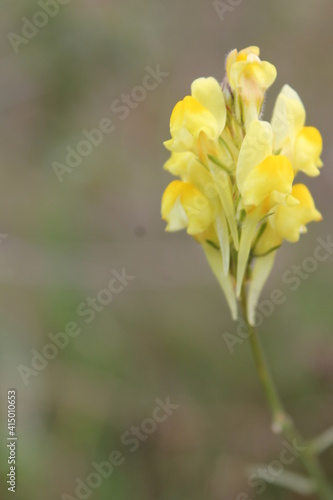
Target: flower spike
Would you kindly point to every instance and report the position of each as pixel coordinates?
(235, 193)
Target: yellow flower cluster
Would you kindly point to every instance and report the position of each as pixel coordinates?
(236, 193)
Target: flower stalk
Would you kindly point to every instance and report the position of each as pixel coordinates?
(281, 421)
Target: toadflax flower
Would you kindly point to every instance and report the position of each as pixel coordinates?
(303, 145)
(248, 78)
(235, 192)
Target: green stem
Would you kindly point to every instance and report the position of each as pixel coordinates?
(281, 421)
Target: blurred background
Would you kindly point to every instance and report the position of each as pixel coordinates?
(64, 230)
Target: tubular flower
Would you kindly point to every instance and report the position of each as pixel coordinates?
(289, 222)
(235, 192)
(303, 145)
(264, 182)
(203, 112)
(249, 78)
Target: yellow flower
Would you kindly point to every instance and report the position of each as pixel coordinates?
(193, 204)
(286, 222)
(303, 145)
(249, 78)
(202, 112)
(178, 164)
(263, 180)
(196, 126)
(184, 205)
(289, 222)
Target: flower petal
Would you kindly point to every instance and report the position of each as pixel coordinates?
(290, 220)
(251, 78)
(172, 209)
(200, 177)
(181, 141)
(267, 241)
(188, 119)
(208, 92)
(308, 148)
(288, 116)
(178, 163)
(242, 55)
(185, 205)
(273, 176)
(257, 145)
(252, 49)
